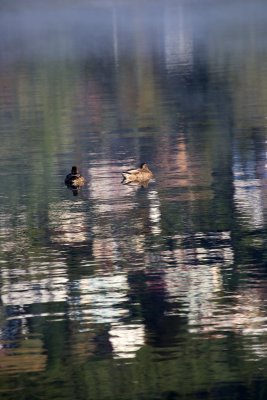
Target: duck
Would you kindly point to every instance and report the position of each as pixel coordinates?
(141, 174)
(74, 178)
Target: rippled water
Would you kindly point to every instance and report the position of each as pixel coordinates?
(114, 291)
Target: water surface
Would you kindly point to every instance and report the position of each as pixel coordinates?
(133, 292)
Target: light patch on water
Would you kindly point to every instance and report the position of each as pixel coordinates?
(245, 315)
(106, 189)
(197, 281)
(68, 223)
(178, 41)
(52, 289)
(126, 339)
(154, 212)
(248, 194)
(101, 299)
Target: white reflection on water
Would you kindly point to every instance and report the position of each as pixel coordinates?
(126, 340)
(201, 290)
(245, 315)
(68, 223)
(105, 250)
(154, 212)
(248, 199)
(192, 249)
(102, 298)
(248, 194)
(178, 41)
(106, 188)
(199, 286)
(34, 289)
(198, 279)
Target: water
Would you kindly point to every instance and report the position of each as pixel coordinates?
(131, 292)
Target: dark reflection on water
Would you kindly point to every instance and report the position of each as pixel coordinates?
(116, 291)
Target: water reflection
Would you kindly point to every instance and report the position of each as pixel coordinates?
(248, 193)
(178, 40)
(126, 340)
(67, 223)
(133, 289)
(102, 297)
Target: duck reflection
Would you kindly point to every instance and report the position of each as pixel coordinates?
(75, 191)
(143, 184)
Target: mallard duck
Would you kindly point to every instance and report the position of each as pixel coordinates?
(74, 179)
(142, 174)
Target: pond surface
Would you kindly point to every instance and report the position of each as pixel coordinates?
(116, 291)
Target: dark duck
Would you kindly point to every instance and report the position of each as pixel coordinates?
(74, 179)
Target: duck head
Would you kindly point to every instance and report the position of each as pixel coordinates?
(144, 166)
(74, 170)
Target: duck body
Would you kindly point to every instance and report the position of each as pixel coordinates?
(142, 174)
(74, 179)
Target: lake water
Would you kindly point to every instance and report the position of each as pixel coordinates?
(117, 291)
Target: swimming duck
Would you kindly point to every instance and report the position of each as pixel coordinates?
(74, 179)
(142, 174)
